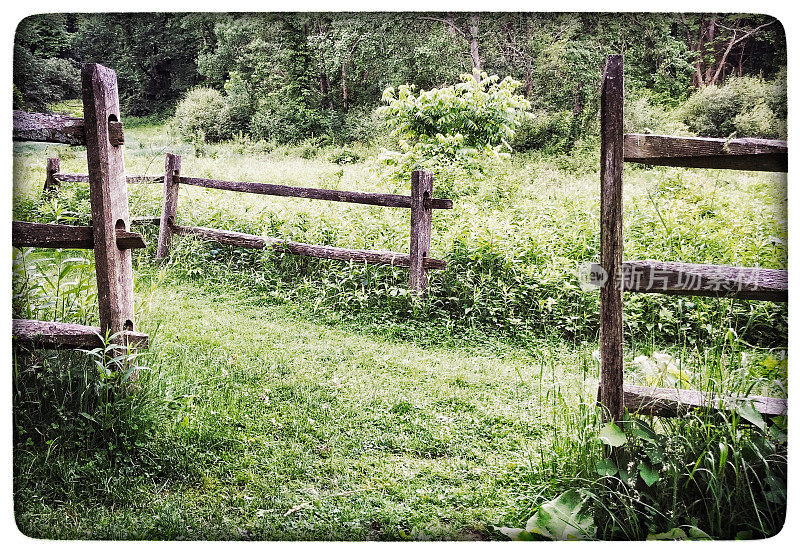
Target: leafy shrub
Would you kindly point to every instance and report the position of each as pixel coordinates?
(360, 124)
(759, 120)
(343, 156)
(40, 82)
(642, 115)
(548, 132)
(453, 125)
(713, 111)
(697, 477)
(239, 102)
(203, 116)
(309, 151)
(285, 120)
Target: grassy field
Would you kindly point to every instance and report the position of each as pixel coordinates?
(288, 398)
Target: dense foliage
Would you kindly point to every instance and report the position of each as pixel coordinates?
(747, 106)
(289, 397)
(292, 77)
(454, 125)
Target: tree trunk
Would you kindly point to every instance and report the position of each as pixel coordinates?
(474, 51)
(325, 89)
(345, 99)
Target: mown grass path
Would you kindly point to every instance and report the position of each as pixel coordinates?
(288, 429)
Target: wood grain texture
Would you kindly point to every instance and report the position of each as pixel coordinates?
(421, 222)
(754, 154)
(144, 220)
(368, 198)
(130, 179)
(169, 205)
(109, 198)
(671, 402)
(40, 127)
(689, 279)
(52, 335)
(611, 239)
(63, 129)
(240, 239)
(44, 235)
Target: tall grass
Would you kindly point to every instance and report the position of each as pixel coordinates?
(513, 244)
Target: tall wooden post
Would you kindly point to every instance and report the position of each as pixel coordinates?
(169, 208)
(50, 183)
(611, 161)
(109, 198)
(421, 222)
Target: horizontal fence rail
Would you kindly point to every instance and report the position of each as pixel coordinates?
(240, 239)
(130, 179)
(672, 402)
(420, 203)
(690, 279)
(368, 198)
(62, 129)
(754, 154)
(44, 235)
(56, 335)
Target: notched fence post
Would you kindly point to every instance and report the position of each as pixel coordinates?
(169, 209)
(421, 222)
(109, 199)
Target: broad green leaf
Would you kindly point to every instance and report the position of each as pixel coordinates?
(696, 534)
(655, 453)
(564, 518)
(648, 474)
(674, 534)
(611, 434)
(643, 431)
(748, 413)
(606, 467)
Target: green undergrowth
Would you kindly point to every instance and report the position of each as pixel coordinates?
(295, 398)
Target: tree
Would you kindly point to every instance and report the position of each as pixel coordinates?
(154, 54)
(465, 26)
(715, 40)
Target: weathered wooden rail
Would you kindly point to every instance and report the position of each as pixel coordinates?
(420, 202)
(63, 129)
(101, 131)
(47, 235)
(55, 177)
(690, 279)
(673, 402)
(615, 276)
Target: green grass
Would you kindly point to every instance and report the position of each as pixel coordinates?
(289, 398)
(355, 436)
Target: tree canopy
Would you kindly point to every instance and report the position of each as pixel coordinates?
(304, 73)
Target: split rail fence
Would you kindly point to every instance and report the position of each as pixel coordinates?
(421, 203)
(615, 276)
(109, 235)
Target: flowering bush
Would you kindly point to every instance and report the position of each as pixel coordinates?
(456, 125)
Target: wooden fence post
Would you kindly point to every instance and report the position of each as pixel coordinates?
(611, 161)
(421, 221)
(109, 199)
(51, 184)
(169, 209)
